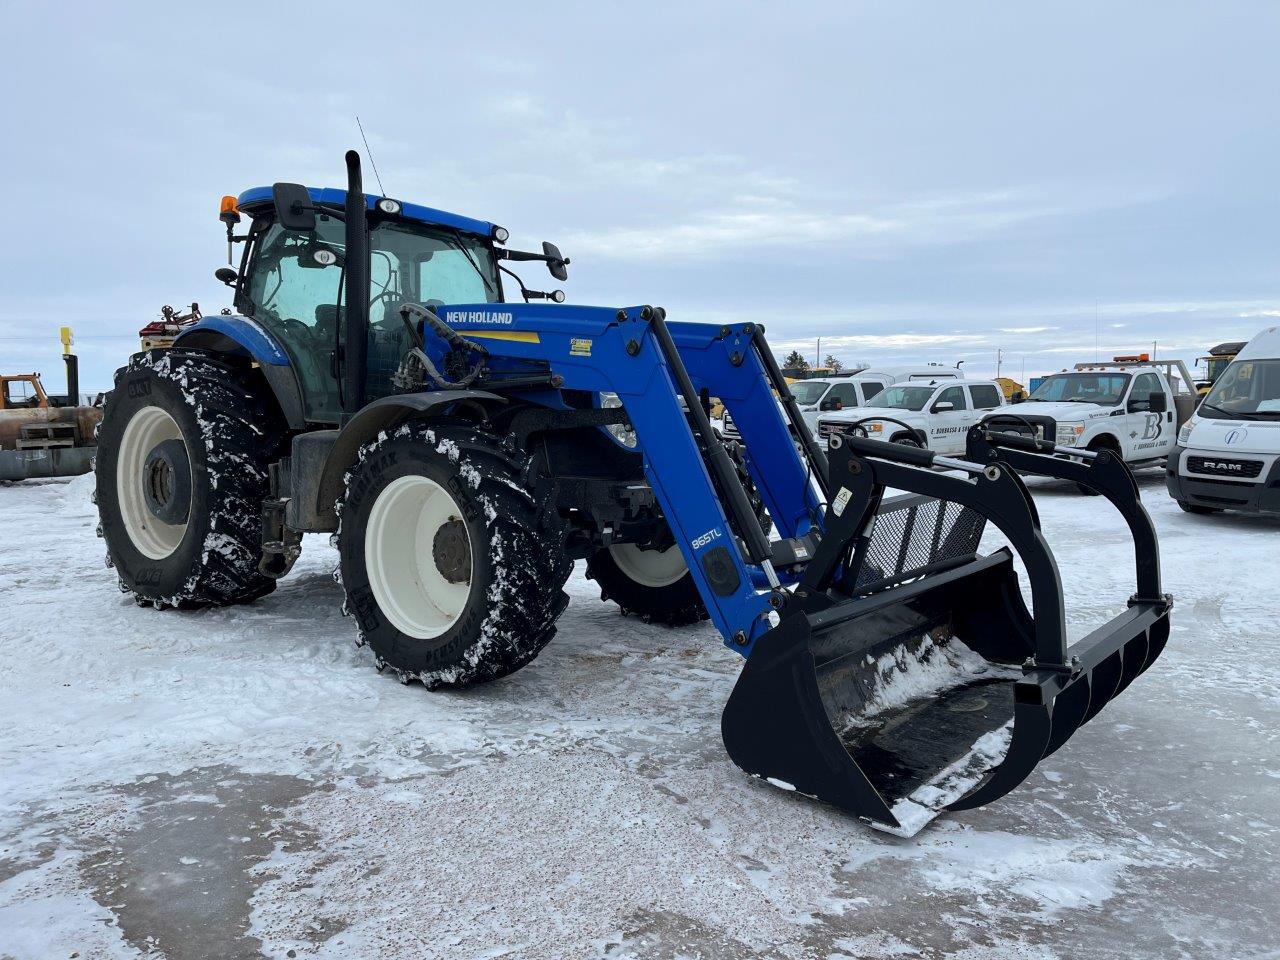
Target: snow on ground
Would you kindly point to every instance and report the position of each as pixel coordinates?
(241, 782)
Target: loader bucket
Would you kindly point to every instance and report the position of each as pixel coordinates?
(913, 678)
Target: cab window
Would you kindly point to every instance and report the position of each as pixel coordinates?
(843, 392)
(954, 396)
(870, 388)
(1144, 385)
(985, 396)
(18, 393)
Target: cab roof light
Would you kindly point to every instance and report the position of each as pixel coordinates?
(228, 212)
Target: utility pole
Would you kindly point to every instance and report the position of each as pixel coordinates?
(999, 361)
(817, 355)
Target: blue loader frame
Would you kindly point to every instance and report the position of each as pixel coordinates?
(628, 352)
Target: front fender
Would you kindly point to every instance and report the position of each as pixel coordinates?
(381, 415)
(245, 337)
(245, 334)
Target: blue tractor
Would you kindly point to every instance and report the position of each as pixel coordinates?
(373, 382)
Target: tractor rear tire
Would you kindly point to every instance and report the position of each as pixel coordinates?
(657, 585)
(448, 563)
(181, 473)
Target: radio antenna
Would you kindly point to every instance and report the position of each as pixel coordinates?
(373, 162)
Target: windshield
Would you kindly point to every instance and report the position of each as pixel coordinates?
(1102, 388)
(1213, 367)
(809, 391)
(902, 398)
(1248, 390)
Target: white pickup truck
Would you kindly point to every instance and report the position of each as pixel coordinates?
(1131, 408)
(821, 396)
(934, 415)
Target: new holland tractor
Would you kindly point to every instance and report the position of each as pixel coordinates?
(464, 451)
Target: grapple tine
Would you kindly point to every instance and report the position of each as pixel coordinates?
(1134, 658)
(1032, 728)
(1069, 710)
(1104, 684)
(1157, 637)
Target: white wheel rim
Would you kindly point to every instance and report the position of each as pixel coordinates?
(153, 537)
(399, 553)
(649, 568)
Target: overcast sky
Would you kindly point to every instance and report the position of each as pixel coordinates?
(909, 181)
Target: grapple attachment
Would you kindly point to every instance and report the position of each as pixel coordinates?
(907, 675)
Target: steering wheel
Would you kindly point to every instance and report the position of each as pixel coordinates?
(388, 295)
(296, 329)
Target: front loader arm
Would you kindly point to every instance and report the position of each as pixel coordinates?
(651, 366)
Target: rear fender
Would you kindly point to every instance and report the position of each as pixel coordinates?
(244, 337)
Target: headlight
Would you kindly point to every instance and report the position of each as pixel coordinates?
(874, 427)
(1184, 434)
(1069, 433)
(621, 432)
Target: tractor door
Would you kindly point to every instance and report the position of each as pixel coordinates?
(417, 263)
(292, 286)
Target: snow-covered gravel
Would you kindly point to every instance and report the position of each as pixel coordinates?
(241, 782)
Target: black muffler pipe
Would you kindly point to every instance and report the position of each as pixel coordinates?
(73, 379)
(355, 350)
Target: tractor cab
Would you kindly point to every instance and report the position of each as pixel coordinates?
(22, 392)
(292, 280)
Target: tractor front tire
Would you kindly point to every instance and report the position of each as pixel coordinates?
(181, 473)
(656, 585)
(449, 570)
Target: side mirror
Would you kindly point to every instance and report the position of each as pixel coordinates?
(556, 263)
(294, 209)
(1158, 403)
(943, 406)
(226, 275)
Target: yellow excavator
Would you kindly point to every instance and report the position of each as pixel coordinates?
(1215, 363)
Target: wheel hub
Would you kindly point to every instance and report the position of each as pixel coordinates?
(166, 482)
(451, 550)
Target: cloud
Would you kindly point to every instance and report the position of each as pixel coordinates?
(748, 223)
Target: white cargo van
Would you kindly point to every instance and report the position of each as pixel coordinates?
(1228, 453)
